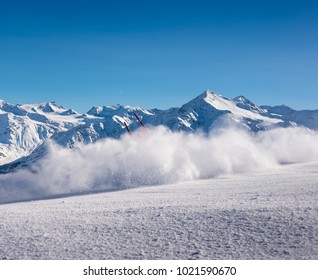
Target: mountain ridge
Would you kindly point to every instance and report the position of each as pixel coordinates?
(25, 127)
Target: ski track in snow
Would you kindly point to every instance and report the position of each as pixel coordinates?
(266, 215)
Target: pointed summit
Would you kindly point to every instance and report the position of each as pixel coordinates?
(242, 99)
(244, 103)
(51, 107)
(2, 102)
(69, 112)
(207, 96)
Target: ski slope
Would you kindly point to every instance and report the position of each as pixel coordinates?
(270, 214)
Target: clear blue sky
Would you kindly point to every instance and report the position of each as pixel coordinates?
(158, 53)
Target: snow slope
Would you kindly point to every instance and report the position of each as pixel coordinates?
(306, 118)
(24, 127)
(271, 214)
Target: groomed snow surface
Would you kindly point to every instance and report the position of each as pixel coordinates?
(271, 214)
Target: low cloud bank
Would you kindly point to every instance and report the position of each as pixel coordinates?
(154, 157)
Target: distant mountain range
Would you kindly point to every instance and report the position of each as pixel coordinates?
(24, 128)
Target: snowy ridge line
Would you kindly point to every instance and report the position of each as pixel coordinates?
(23, 128)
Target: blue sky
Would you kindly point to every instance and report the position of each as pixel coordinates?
(158, 53)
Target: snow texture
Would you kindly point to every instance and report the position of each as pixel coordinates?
(271, 214)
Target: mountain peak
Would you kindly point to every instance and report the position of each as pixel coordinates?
(209, 93)
(109, 111)
(242, 99)
(3, 104)
(105, 110)
(244, 103)
(281, 109)
(69, 112)
(51, 107)
(206, 97)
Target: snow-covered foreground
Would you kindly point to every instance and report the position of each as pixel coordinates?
(271, 214)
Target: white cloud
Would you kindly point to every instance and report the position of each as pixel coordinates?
(156, 156)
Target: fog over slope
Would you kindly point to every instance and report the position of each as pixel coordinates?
(155, 156)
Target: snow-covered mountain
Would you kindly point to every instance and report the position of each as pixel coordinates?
(24, 128)
(201, 113)
(307, 118)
